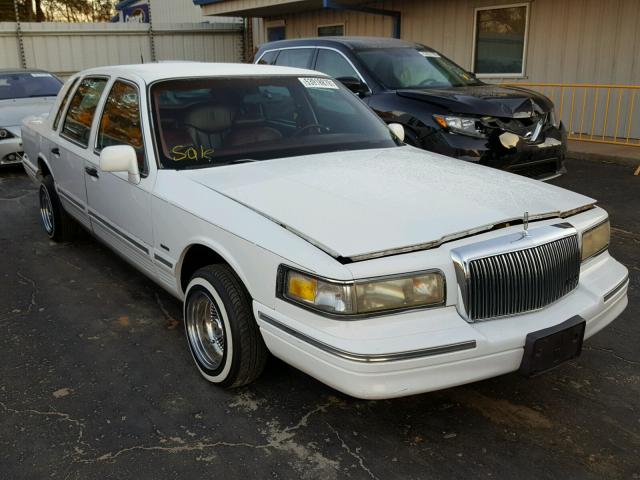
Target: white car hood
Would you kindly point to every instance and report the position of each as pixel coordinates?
(370, 203)
(13, 111)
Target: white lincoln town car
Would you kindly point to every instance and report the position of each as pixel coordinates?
(290, 219)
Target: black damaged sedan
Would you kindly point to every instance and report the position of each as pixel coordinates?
(443, 108)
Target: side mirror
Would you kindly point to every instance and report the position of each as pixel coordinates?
(120, 158)
(355, 85)
(397, 130)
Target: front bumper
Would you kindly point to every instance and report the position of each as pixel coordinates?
(377, 358)
(543, 160)
(11, 151)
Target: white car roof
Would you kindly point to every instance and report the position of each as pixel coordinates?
(150, 72)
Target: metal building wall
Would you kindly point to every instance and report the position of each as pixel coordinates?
(182, 11)
(65, 48)
(585, 41)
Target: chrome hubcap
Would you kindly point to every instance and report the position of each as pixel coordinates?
(205, 329)
(46, 210)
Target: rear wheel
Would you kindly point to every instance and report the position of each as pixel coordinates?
(57, 223)
(223, 336)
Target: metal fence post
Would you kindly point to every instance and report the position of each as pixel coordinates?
(152, 42)
(23, 59)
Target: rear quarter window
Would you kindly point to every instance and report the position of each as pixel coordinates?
(268, 58)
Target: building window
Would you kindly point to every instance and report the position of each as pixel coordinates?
(501, 40)
(331, 30)
(276, 33)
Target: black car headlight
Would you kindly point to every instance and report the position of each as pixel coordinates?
(4, 134)
(462, 125)
(595, 240)
(362, 297)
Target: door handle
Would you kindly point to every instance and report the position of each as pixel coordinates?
(55, 151)
(91, 171)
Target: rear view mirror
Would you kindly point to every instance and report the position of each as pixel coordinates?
(355, 85)
(120, 158)
(397, 130)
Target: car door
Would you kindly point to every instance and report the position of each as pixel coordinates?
(120, 211)
(67, 153)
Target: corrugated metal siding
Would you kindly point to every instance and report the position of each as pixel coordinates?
(171, 11)
(582, 41)
(65, 48)
(183, 11)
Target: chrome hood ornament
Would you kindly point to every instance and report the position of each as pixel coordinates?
(525, 224)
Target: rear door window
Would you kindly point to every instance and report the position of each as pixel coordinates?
(82, 108)
(295, 57)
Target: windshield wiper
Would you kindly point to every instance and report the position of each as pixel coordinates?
(240, 160)
(221, 164)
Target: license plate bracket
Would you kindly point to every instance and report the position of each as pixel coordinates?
(546, 349)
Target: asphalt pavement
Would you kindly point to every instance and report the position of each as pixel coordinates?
(96, 381)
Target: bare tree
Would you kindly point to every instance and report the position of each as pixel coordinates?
(57, 10)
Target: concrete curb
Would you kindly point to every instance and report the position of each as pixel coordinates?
(603, 158)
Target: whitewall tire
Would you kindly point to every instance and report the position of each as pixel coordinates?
(222, 334)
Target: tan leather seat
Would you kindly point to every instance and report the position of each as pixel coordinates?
(244, 134)
(207, 124)
(250, 127)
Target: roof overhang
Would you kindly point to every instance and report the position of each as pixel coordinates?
(261, 8)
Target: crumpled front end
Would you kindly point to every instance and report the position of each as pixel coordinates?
(533, 146)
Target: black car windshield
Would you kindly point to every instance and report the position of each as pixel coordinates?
(398, 68)
(208, 122)
(28, 84)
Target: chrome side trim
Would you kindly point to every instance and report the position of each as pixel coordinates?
(616, 289)
(69, 199)
(162, 260)
(373, 357)
(119, 232)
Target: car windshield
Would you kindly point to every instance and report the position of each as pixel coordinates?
(398, 68)
(209, 122)
(28, 84)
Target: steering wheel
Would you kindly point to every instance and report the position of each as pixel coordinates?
(306, 128)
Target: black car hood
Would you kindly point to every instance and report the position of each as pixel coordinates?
(483, 100)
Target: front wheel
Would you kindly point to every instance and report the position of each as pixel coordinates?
(223, 336)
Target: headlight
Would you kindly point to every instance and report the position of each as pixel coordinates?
(595, 240)
(4, 134)
(362, 297)
(463, 125)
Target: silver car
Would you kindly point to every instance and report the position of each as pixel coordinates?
(23, 93)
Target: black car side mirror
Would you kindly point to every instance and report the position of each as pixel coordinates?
(355, 85)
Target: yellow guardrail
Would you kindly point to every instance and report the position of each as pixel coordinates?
(593, 112)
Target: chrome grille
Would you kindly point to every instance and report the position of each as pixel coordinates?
(523, 280)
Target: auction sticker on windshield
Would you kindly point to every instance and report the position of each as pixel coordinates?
(318, 83)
